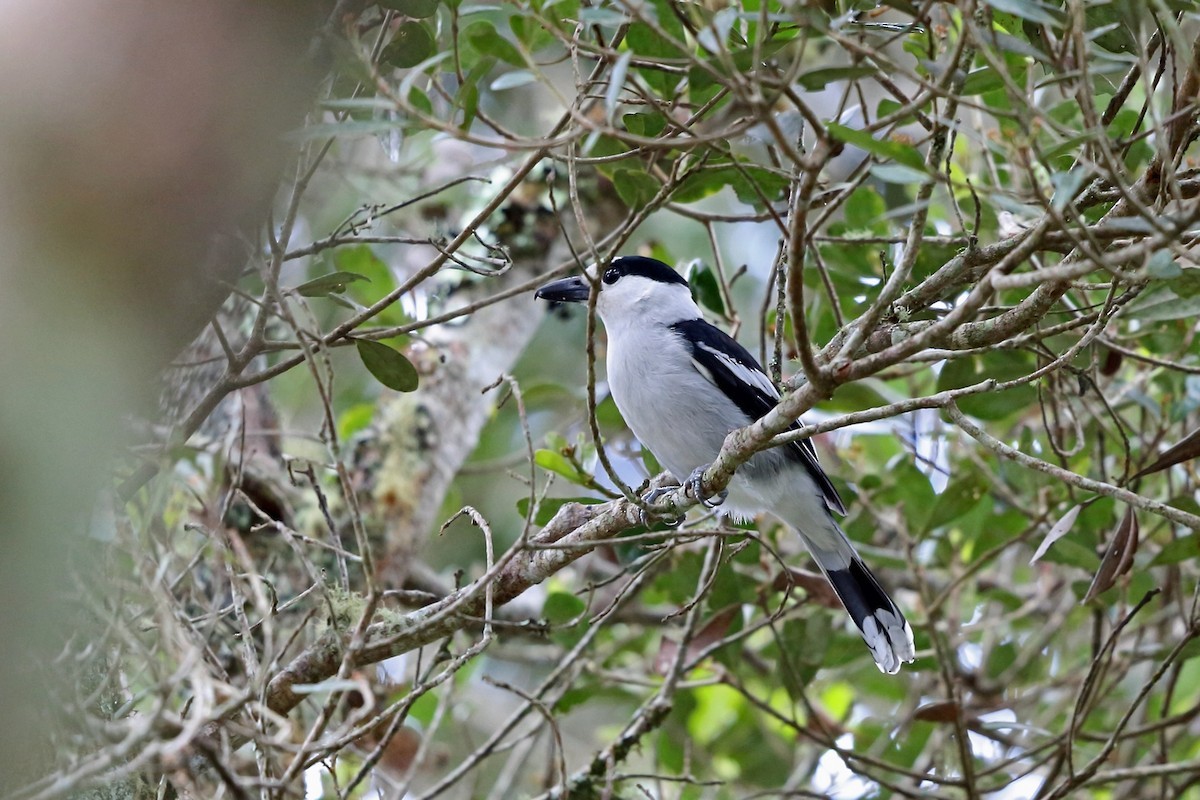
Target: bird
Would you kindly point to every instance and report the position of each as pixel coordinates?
(682, 384)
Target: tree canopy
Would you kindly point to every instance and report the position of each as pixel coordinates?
(384, 533)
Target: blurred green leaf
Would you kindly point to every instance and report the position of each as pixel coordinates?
(753, 184)
(635, 187)
(645, 41)
(864, 210)
(411, 44)
(355, 419)
(561, 608)
(485, 39)
(857, 396)
(1108, 24)
(957, 499)
(816, 79)
(1032, 10)
(565, 612)
(716, 711)
(530, 32)
(467, 98)
(645, 124)
(1071, 553)
(326, 284)
(361, 259)
(884, 149)
(1187, 283)
(417, 9)
(1001, 365)
(706, 290)
(650, 462)
(899, 173)
(1162, 306)
(559, 464)
(1001, 657)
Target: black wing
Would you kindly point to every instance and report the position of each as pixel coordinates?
(731, 368)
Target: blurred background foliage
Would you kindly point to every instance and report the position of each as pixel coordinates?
(284, 587)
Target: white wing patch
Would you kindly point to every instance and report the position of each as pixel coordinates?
(745, 374)
(744, 383)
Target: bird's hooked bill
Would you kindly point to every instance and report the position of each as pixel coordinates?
(566, 290)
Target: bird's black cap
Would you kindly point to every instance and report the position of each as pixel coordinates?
(650, 268)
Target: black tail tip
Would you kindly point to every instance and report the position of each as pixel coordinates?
(883, 627)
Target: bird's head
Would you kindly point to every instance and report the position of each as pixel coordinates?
(633, 290)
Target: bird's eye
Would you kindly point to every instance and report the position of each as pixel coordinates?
(611, 274)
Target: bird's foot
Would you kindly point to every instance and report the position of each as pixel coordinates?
(649, 498)
(694, 486)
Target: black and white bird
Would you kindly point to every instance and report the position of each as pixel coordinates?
(682, 385)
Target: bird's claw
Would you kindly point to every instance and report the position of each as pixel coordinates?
(694, 485)
(650, 498)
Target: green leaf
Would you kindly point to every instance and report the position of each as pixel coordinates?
(486, 40)
(573, 697)
(800, 647)
(701, 184)
(644, 124)
(1072, 553)
(420, 101)
(635, 187)
(716, 712)
(361, 259)
(956, 500)
(417, 9)
(750, 184)
(559, 464)
(707, 291)
(1000, 658)
(857, 396)
(1031, 10)
(1066, 186)
(1108, 24)
(411, 44)
(1187, 284)
(354, 419)
(390, 367)
(529, 32)
(911, 491)
(650, 462)
(864, 209)
(816, 79)
(899, 174)
(701, 86)
(562, 607)
(468, 95)
(645, 41)
(753, 184)
(984, 79)
(1002, 365)
(884, 149)
(325, 284)
(1163, 306)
